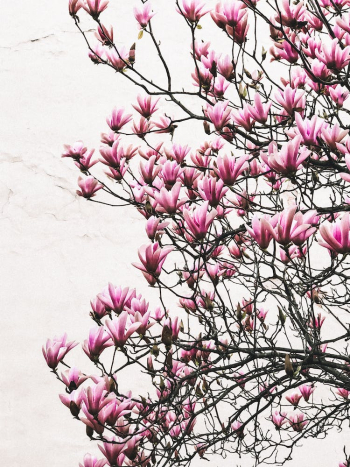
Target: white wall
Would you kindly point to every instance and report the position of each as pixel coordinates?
(56, 249)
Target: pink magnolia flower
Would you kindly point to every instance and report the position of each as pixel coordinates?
(88, 186)
(229, 168)
(237, 429)
(113, 411)
(336, 236)
(168, 200)
(149, 170)
(262, 230)
(292, 100)
(97, 342)
(75, 151)
(147, 106)
(98, 308)
(338, 94)
(170, 173)
(95, 398)
(226, 67)
(142, 127)
(73, 399)
(142, 320)
(259, 111)
(152, 258)
(201, 49)
(240, 31)
(193, 10)
(333, 55)
(116, 328)
(177, 153)
(91, 461)
(155, 226)
(333, 136)
(113, 449)
(284, 51)
(199, 220)
(294, 399)
(219, 114)
(113, 156)
(232, 13)
(118, 119)
(212, 190)
(309, 130)
(306, 390)
(144, 14)
(243, 118)
(297, 422)
(288, 160)
(289, 14)
(104, 34)
(119, 58)
(95, 7)
(97, 53)
(291, 227)
(279, 419)
(56, 349)
(115, 298)
(73, 378)
(74, 6)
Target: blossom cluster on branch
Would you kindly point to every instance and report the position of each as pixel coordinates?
(247, 238)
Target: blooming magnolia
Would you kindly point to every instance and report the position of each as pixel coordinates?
(193, 10)
(336, 236)
(152, 258)
(116, 328)
(56, 349)
(288, 160)
(95, 7)
(144, 14)
(247, 319)
(199, 220)
(89, 186)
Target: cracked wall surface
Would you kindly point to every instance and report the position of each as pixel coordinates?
(57, 251)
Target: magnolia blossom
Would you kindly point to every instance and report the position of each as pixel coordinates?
(74, 6)
(152, 258)
(88, 187)
(116, 328)
(56, 349)
(262, 230)
(144, 14)
(259, 111)
(147, 105)
(199, 220)
(230, 168)
(279, 419)
(193, 10)
(336, 236)
(96, 343)
(288, 160)
(297, 421)
(95, 7)
(219, 114)
(73, 378)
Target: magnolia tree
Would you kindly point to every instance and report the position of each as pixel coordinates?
(246, 238)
